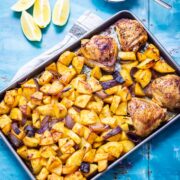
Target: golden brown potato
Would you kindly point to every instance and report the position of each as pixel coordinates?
(33, 154)
(152, 52)
(95, 106)
(95, 85)
(45, 78)
(76, 158)
(129, 66)
(68, 76)
(126, 76)
(46, 139)
(66, 57)
(61, 68)
(36, 165)
(143, 77)
(22, 151)
(162, 67)
(16, 114)
(127, 145)
(112, 90)
(4, 120)
(127, 56)
(31, 141)
(102, 165)
(96, 72)
(4, 108)
(53, 176)
(141, 56)
(138, 91)
(89, 156)
(124, 93)
(84, 87)
(43, 174)
(109, 121)
(122, 109)
(115, 103)
(82, 100)
(51, 67)
(78, 63)
(47, 151)
(112, 148)
(106, 78)
(146, 64)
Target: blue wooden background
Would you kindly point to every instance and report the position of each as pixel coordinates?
(156, 160)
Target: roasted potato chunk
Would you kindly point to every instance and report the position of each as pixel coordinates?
(129, 66)
(126, 76)
(127, 145)
(16, 114)
(78, 63)
(127, 56)
(138, 90)
(95, 85)
(143, 77)
(4, 120)
(36, 165)
(66, 57)
(43, 174)
(115, 102)
(162, 67)
(96, 72)
(84, 87)
(82, 100)
(4, 109)
(146, 64)
(45, 78)
(122, 109)
(152, 52)
(68, 76)
(88, 117)
(141, 56)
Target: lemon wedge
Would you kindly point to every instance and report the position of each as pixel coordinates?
(42, 13)
(30, 29)
(22, 5)
(61, 12)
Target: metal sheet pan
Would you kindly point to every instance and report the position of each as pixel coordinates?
(52, 56)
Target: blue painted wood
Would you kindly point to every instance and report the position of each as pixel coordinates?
(159, 159)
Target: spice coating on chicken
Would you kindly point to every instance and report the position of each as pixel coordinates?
(131, 34)
(166, 91)
(100, 50)
(146, 115)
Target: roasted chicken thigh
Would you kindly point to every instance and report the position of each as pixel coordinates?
(100, 51)
(165, 91)
(131, 34)
(146, 115)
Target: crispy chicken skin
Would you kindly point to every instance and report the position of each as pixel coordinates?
(100, 51)
(131, 34)
(146, 115)
(165, 91)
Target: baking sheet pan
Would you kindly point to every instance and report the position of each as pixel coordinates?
(53, 56)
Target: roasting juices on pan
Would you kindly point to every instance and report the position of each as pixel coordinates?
(68, 124)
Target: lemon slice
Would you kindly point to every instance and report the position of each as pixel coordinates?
(61, 12)
(22, 5)
(42, 13)
(30, 29)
